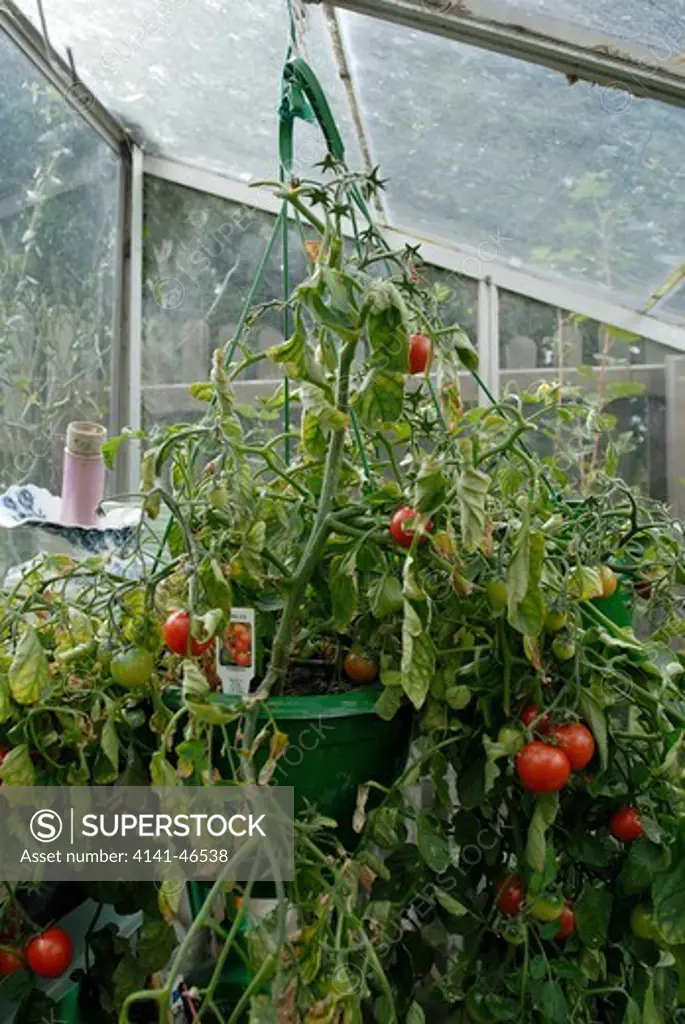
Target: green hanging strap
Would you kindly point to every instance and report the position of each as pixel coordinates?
(302, 97)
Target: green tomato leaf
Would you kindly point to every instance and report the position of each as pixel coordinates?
(668, 898)
(161, 772)
(430, 487)
(387, 327)
(195, 683)
(452, 906)
(551, 1002)
(17, 768)
(385, 597)
(418, 657)
(526, 607)
(29, 673)
(344, 590)
(389, 703)
(593, 913)
(5, 698)
(643, 862)
(415, 1014)
(297, 358)
(472, 490)
(109, 742)
(544, 816)
(380, 399)
(215, 585)
(431, 843)
(596, 719)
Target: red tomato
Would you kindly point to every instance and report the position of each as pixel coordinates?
(10, 963)
(4, 751)
(242, 643)
(50, 953)
(528, 716)
(177, 635)
(360, 669)
(543, 769)
(510, 895)
(419, 353)
(403, 535)
(625, 824)
(578, 744)
(243, 658)
(567, 924)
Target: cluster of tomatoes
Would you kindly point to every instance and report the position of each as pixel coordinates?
(546, 768)
(48, 955)
(510, 901)
(238, 642)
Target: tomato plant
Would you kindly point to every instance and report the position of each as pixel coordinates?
(50, 953)
(577, 742)
(419, 353)
(396, 520)
(542, 768)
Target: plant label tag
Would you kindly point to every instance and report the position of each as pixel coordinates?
(236, 652)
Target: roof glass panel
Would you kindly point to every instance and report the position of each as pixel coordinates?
(486, 150)
(659, 24)
(197, 80)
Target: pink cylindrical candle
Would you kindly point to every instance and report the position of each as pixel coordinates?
(83, 480)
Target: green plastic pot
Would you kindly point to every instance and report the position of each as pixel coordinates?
(336, 742)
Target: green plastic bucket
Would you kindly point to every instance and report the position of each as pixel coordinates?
(336, 743)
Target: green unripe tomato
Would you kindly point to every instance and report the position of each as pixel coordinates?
(555, 620)
(511, 738)
(642, 923)
(547, 908)
(132, 668)
(563, 648)
(498, 595)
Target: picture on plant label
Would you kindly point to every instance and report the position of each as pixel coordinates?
(237, 646)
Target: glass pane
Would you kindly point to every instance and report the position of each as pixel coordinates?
(200, 260)
(196, 79)
(674, 306)
(59, 200)
(658, 24)
(506, 157)
(627, 375)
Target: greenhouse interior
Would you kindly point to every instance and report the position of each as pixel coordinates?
(343, 608)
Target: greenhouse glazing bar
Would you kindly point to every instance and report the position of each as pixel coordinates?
(589, 54)
(473, 263)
